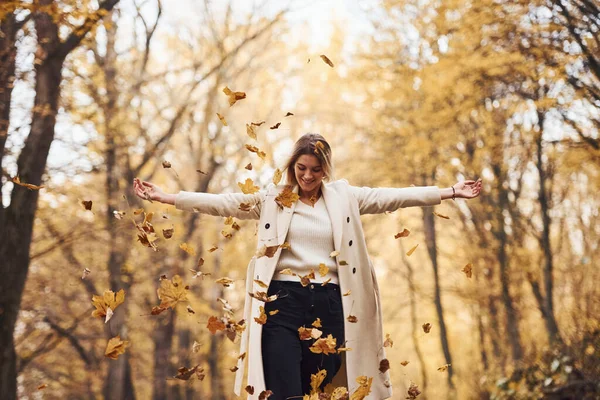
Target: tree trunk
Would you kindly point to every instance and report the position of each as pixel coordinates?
(215, 366)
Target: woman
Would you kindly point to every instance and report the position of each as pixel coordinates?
(325, 234)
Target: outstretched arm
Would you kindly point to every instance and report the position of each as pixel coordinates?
(462, 190)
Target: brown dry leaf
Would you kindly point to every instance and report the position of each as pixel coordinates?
(248, 187)
(265, 394)
(166, 164)
(352, 318)
(309, 333)
(245, 207)
(261, 284)
(273, 312)
(413, 391)
(288, 114)
(324, 345)
(222, 118)
(347, 293)
(188, 249)
(316, 380)
(109, 300)
(257, 123)
(441, 215)
(168, 233)
(249, 167)
(268, 251)
(326, 60)
(214, 248)
(443, 368)
(226, 235)
(404, 233)
(262, 318)
(305, 280)
(233, 369)
(342, 262)
(388, 341)
(42, 386)
(185, 374)
(404, 363)
(171, 292)
(287, 197)
(323, 269)
(262, 296)
(426, 327)
(317, 323)
(233, 97)
(364, 388)
(249, 389)
(215, 324)
(277, 176)
(287, 271)
(275, 126)
(384, 365)
(190, 310)
(226, 306)
(254, 149)
(226, 282)
(235, 226)
(17, 180)
(412, 250)
(115, 347)
(334, 254)
(201, 172)
(468, 270)
(250, 131)
(87, 204)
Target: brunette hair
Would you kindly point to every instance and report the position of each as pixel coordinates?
(313, 144)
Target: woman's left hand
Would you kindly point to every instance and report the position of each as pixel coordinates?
(468, 189)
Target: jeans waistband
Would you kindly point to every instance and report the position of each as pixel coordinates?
(314, 286)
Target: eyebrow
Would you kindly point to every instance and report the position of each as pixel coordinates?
(302, 165)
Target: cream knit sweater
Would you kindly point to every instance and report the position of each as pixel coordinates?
(311, 242)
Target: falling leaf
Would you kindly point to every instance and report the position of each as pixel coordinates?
(441, 215)
(404, 363)
(254, 149)
(242, 356)
(115, 347)
(273, 312)
(277, 176)
(166, 164)
(363, 389)
(170, 293)
(226, 282)
(29, 186)
(347, 293)
(388, 341)
(214, 248)
(226, 235)
(268, 251)
(233, 97)
(289, 114)
(287, 271)
(287, 197)
(248, 187)
(404, 233)
(265, 394)
(188, 249)
(87, 204)
(275, 126)
(235, 226)
(222, 118)
(384, 365)
(324, 345)
(138, 211)
(190, 310)
(250, 390)
(317, 323)
(168, 233)
(185, 374)
(233, 369)
(202, 172)
(342, 349)
(108, 300)
(326, 60)
(215, 324)
(262, 296)
(109, 314)
(305, 280)
(352, 318)
(412, 250)
(246, 207)
(196, 347)
(309, 333)
(257, 123)
(118, 214)
(413, 391)
(426, 327)
(249, 167)
(285, 246)
(228, 221)
(468, 270)
(343, 262)
(250, 131)
(42, 386)
(326, 282)
(313, 200)
(334, 254)
(316, 380)
(86, 272)
(261, 284)
(443, 368)
(323, 269)
(226, 306)
(319, 148)
(262, 318)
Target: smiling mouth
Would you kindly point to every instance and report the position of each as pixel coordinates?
(307, 183)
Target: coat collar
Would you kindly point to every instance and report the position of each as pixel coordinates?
(332, 202)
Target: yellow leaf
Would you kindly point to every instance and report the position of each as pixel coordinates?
(250, 131)
(115, 347)
(109, 300)
(287, 197)
(233, 97)
(262, 318)
(261, 284)
(443, 368)
(347, 293)
(225, 281)
(316, 380)
(334, 253)
(248, 187)
(388, 341)
(222, 118)
(254, 149)
(441, 215)
(468, 270)
(323, 269)
(412, 250)
(171, 292)
(17, 180)
(324, 345)
(326, 60)
(364, 388)
(287, 271)
(188, 249)
(273, 312)
(228, 221)
(317, 323)
(277, 176)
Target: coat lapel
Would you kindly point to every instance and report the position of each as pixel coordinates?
(284, 218)
(333, 203)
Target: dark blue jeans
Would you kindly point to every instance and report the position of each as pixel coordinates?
(287, 360)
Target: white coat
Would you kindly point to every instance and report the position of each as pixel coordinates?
(345, 204)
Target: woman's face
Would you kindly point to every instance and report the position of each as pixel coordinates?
(309, 172)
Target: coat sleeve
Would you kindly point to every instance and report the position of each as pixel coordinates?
(223, 205)
(380, 200)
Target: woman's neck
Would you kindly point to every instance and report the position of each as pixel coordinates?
(313, 194)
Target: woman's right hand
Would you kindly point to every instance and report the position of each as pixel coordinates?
(149, 191)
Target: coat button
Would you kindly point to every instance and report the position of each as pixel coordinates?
(350, 243)
(267, 226)
(354, 270)
(348, 219)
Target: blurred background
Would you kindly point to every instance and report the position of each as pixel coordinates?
(419, 92)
